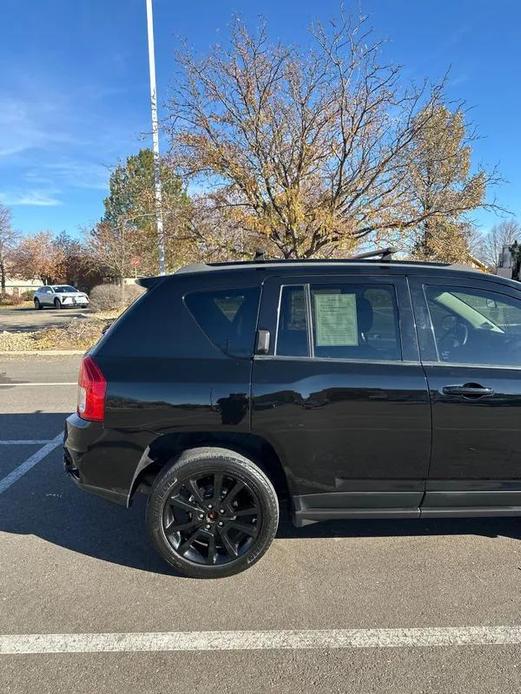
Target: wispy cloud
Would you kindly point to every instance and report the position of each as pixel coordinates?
(78, 173)
(29, 198)
(28, 124)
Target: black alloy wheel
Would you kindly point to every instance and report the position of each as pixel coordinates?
(211, 519)
(212, 513)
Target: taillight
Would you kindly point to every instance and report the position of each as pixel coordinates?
(92, 387)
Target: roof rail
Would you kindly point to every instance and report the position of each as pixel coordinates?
(384, 253)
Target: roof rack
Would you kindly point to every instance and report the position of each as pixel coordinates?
(385, 254)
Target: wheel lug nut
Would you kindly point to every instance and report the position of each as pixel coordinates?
(201, 516)
(208, 527)
(220, 524)
(210, 506)
(221, 510)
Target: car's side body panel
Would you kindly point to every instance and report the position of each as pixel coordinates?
(476, 448)
(353, 437)
(352, 434)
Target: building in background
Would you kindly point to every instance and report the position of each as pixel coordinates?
(509, 261)
(17, 286)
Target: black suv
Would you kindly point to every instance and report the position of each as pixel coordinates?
(352, 389)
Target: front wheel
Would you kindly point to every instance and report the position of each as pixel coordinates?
(212, 513)
(58, 303)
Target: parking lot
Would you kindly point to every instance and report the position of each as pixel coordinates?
(27, 318)
(72, 564)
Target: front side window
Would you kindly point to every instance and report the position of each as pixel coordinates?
(348, 321)
(228, 317)
(473, 326)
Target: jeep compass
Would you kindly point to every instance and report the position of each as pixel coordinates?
(363, 388)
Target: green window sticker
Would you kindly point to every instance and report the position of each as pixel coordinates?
(336, 321)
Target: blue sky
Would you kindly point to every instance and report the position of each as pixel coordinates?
(74, 84)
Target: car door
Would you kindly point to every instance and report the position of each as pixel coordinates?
(470, 340)
(46, 296)
(339, 392)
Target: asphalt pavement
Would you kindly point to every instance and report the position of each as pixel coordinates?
(72, 564)
(28, 319)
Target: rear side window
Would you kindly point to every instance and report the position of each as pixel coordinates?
(348, 321)
(228, 317)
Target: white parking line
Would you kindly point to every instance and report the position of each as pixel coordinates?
(19, 471)
(24, 442)
(259, 640)
(39, 383)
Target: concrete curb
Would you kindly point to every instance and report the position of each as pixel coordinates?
(45, 352)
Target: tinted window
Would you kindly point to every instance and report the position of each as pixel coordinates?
(472, 326)
(228, 317)
(355, 321)
(350, 321)
(292, 334)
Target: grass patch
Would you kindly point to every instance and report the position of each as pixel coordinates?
(24, 305)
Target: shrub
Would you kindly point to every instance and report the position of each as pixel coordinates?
(10, 300)
(80, 333)
(108, 297)
(28, 295)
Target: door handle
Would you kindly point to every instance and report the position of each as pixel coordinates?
(468, 390)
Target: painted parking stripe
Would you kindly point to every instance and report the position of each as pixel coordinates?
(24, 442)
(259, 640)
(39, 383)
(33, 460)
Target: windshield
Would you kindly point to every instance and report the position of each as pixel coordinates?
(64, 288)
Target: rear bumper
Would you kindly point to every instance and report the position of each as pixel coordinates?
(100, 460)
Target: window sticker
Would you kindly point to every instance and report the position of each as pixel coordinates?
(335, 320)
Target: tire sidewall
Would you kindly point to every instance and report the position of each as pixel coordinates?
(248, 473)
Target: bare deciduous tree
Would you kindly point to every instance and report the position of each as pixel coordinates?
(312, 150)
(8, 239)
(501, 235)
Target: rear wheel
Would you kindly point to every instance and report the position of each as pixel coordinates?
(37, 304)
(58, 303)
(212, 513)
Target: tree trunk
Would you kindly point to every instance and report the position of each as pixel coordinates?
(2, 277)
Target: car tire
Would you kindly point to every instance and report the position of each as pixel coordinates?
(58, 304)
(193, 508)
(37, 305)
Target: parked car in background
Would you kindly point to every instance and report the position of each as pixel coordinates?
(59, 296)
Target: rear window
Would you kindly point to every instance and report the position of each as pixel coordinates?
(228, 317)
